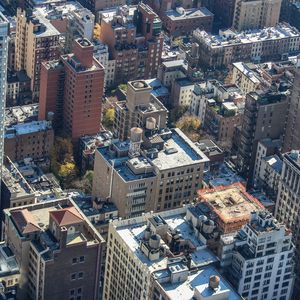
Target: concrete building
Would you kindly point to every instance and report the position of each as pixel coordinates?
(80, 24)
(4, 36)
(269, 176)
(34, 139)
(155, 171)
(140, 105)
(134, 39)
(170, 70)
(259, 258)
(265, 148)
(231, 206)
(287, 204)
(264, 117)
(181, 92)
(101, 53)
(37, 40)
(251, 77)
(292, 132)
(184, 269)
(58, 250)
(75, 77)
(269, 44)
(10, 273)
(181, 21)
(256, 14)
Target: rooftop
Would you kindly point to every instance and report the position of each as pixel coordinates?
(181, 13)
(58, 10)
(223, 177)
(48, 29)
(8, 262)
(27, 128)
(231, 203)
(184, 82)
(179, 151)
(45, 186)
(14, 180)
(175, 221)
(229, 37)
(36, 217)
(21, 114)
(200, 281)
(275, 162)
(294, 157)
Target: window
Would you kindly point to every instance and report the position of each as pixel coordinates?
(73, 276)
(80, 275)
(81, 258)
(74, 260)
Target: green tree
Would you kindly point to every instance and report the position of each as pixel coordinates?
(108, 118)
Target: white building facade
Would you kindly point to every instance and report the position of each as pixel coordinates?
(4, 31)
(262, 262)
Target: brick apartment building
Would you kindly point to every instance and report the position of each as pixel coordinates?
(182, 21)
(77, 80)
(133, 36)
(58, 250)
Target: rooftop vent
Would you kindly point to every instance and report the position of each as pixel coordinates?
(214, 282)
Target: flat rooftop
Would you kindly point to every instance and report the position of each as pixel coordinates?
(8, 262)
(174, 63)
(231, 203)
(133, 233)
(14, 180)
(49, 29)
(192, 13)
(179, 151)
(60, 9)
(125, 15)
(21, 114)
(229, 37)
(27, 128)
(200, 282)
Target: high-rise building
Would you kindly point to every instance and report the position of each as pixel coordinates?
(134, 39)
(264, 117)
(4, 33)
(292, 128)
(58, 250)
(158, 169)
(287, 205)
(256, 14)
(259, 258)
(77, 80)
(37, 40)
(163, 256)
